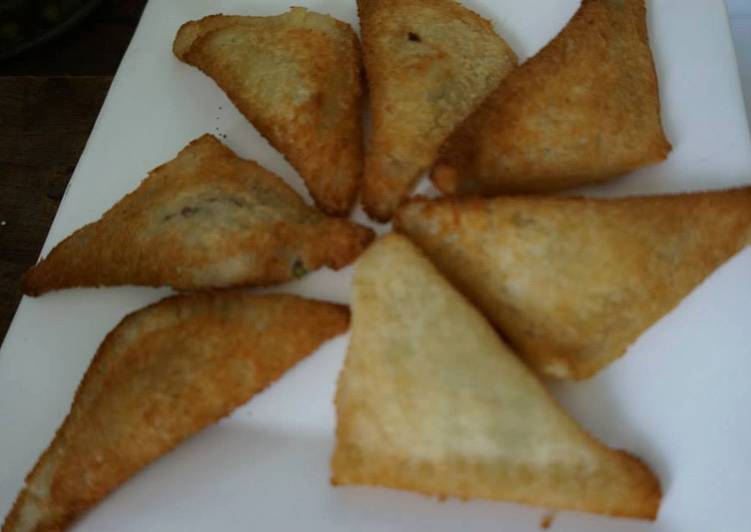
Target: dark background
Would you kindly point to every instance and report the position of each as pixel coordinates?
(49, 99)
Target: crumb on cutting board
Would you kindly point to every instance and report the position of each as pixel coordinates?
(547, 520)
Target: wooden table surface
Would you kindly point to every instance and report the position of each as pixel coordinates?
(49, 99)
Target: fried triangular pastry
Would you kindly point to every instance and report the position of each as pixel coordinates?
(205, 219)
(297, 78)
(431, 400)
(164, 373)
(572, 282)
(429, 64)
(584, 109)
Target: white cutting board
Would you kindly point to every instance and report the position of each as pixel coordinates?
(680, 399)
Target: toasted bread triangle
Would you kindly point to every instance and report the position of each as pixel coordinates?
(584, 109)
(430, 399)
(572, 282)
(163, 374)
(429, 63)
(297, 78)
(205, 219)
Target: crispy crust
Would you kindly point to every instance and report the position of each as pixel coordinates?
(584, 109)
(431, 400)
(164, 373)
(429, 64)
(573, 282)
(465, 480)
(297, 78)
(205, 219)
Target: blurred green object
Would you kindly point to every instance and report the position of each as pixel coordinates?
(27, 23)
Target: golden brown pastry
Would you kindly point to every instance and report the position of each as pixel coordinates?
(205, 219)
(431, 400)
(164, 373)
(584, 109)
(429, 64)
(572, 282)
(297, 78)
